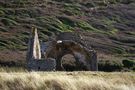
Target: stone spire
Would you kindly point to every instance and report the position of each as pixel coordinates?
(34, 51)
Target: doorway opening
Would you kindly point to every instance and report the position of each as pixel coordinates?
(69, 63)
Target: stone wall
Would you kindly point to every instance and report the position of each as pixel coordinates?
(85, 58)
(42, 65)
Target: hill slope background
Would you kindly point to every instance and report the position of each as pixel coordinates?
(106, 25)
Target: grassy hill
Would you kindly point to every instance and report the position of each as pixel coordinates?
(107, 25)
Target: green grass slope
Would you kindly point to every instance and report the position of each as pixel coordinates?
(107, 25)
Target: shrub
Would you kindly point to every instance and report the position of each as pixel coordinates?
(128, 63)
(67, 21)
(133, 68)
(106, 65)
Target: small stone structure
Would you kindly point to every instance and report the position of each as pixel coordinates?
(48, 56)
(34, 60)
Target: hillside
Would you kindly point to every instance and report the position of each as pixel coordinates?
(106, 25)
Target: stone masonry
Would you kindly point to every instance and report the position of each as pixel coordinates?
(48, 55)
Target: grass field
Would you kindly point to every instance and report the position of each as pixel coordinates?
(67, 81)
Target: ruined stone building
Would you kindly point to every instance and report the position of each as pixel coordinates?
(48, 55)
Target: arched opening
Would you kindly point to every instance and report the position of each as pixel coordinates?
(68, 62)
(71, 56)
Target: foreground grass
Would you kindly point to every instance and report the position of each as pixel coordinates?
(67, 81)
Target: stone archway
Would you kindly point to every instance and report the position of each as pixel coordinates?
(85, 58)
(69, 63)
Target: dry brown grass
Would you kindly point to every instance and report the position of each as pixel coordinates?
(67, 81)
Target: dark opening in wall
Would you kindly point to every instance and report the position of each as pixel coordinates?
(38, 68)
(70, 64)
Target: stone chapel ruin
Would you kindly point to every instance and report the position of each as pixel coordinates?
(48, 55)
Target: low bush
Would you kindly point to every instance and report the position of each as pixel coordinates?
(109, 66)
(128, 63)
(133, 68)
